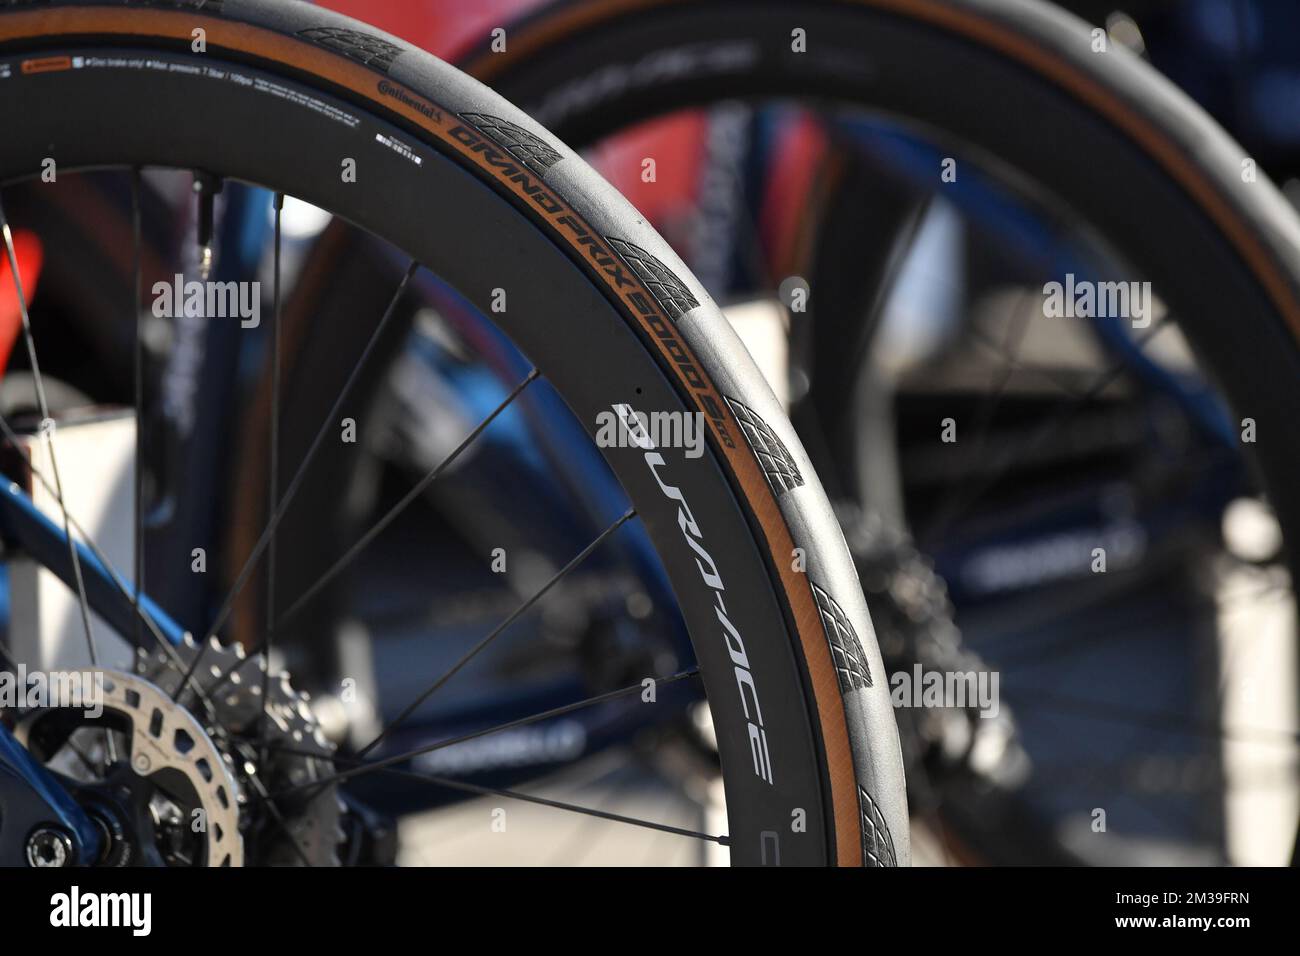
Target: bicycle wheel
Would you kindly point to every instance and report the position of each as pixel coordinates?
(1034, 97)
(286, 96)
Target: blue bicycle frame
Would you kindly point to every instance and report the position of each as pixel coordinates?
(30, 796)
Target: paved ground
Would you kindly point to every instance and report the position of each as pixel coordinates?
(501, 832)
(540, 836)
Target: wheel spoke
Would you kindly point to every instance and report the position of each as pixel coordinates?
(227, 605)
(361, 768)
(360, 545)
(496, 632)
(389, 765)
(142, 615)
(962, 502)
(1012, 361)
(466, 787)
(47, 430)
(123, 588)
(393, 512)
(991, 401)
(47, 433)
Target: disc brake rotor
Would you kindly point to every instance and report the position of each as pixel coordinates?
(169, 756)
(286, 751)
(248, 767)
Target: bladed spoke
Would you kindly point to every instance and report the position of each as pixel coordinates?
(227, 605)
(496, 632)
(361, 768)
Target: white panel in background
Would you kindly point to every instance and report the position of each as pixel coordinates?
(96, 459)
(761, 326)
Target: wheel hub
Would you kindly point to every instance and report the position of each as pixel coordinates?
(170, 797)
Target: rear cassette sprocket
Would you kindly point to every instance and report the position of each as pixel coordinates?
(286, 751)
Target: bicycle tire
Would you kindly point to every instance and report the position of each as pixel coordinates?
(813, 774)
(1023, 83)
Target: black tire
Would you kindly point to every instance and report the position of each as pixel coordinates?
(603, 307)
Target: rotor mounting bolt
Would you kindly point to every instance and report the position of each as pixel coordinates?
(141, 763)
(49, 847)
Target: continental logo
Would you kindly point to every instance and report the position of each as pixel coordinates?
(515, 140)
(373, 51)
(423, 107)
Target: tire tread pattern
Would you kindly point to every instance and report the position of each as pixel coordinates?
(517, 141)
(877, 843)
(778, 464)
(669, 291)
(850, 662)
(370, 51)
